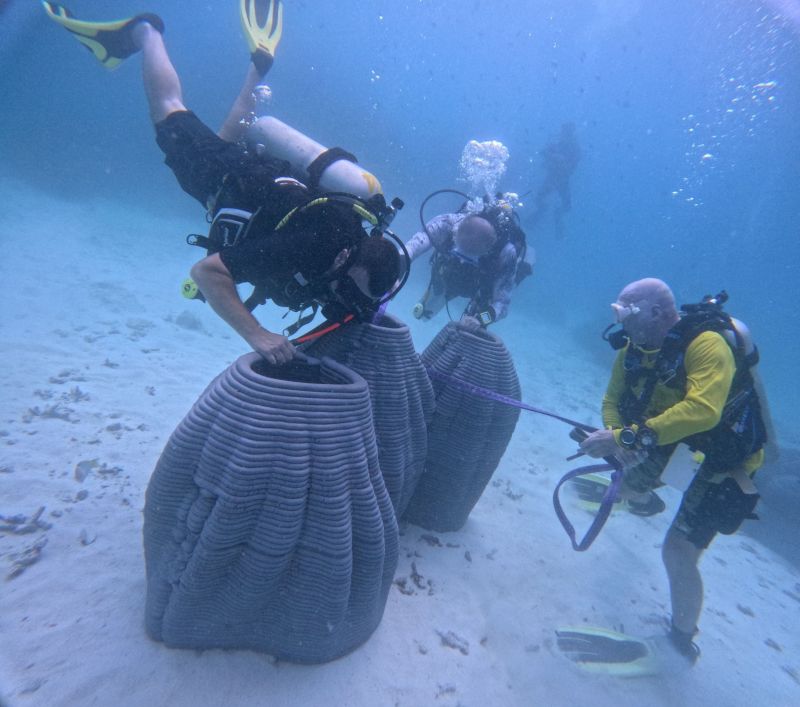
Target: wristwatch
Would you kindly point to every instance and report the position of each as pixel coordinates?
(643, 438)
(627, 437)
(486, 317)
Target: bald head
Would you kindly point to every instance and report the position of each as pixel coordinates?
(646, 309)
(651, 289)
(475, 236)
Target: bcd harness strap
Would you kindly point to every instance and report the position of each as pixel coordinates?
(307, 291)
(668, 368)
(741, 430)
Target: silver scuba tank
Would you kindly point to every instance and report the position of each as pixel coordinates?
(279, 140)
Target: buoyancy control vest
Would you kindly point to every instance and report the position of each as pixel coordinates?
(296, 279)
(259, 196)
(463, 277)
(507, 225)
(741, 431)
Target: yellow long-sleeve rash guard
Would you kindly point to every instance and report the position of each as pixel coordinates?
(671, 413)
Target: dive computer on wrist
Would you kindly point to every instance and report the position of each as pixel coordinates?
(646, 438)
(627, 437)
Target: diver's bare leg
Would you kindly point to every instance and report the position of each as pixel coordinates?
(685, 583)
(161, 83)
(243, 106)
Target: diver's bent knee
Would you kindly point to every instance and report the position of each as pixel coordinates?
(678, 550)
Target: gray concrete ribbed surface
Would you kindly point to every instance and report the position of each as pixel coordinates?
(268, 525)
(468, 434)
(401, 393)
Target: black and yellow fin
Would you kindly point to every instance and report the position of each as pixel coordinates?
(110, 42)
(603, 651)
(262, 24)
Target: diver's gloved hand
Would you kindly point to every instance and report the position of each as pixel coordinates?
(262, 22)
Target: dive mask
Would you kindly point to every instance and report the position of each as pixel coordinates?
(463, 257)
(623, 311)
(348, 295)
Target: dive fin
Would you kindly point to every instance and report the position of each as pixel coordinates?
(110, 42)
(603, 651)
(264, 33)
(592, 487)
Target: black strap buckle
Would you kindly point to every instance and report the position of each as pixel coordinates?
(302, 320)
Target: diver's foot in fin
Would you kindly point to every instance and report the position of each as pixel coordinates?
(262, 23)
(683, 643)
(650, 507)
(110, 42)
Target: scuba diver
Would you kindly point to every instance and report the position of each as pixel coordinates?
(479, 253)
(278, 218)
(683, 378)
(561, 157)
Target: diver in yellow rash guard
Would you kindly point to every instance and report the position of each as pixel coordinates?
(683, 379)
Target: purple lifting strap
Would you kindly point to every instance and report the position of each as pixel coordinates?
(606, 504)
(491, 395)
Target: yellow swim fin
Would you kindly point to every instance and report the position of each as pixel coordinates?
(592, 488)
(262, 22)
(602, 651)
(110, 42)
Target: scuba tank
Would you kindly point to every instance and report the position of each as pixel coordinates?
(323, 169)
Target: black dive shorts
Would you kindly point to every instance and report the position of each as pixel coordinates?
(198, 157)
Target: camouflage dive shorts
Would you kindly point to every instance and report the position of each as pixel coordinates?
(713, 503)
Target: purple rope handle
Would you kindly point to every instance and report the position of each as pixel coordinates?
(609, 497)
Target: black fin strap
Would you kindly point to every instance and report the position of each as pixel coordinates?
(262, 60)
(324, 160)
(259, 296)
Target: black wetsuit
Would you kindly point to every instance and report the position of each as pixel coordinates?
(222, 174)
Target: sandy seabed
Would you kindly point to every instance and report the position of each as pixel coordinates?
(102, 358)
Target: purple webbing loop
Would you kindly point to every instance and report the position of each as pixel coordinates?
(609, 497)
(606, 504)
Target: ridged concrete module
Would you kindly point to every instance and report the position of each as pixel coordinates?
(402, 396)
(267, 524)
(468, 434)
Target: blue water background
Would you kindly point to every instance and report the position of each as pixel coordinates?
(652, 87)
